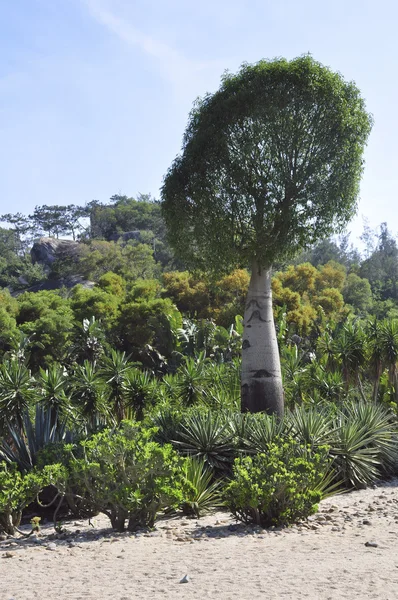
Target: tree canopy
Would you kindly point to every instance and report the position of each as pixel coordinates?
(270, 163)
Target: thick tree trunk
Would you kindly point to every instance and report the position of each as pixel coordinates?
(262, 388)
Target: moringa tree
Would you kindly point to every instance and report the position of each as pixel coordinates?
(270, 163)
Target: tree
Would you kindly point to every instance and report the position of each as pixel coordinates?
(270, 163)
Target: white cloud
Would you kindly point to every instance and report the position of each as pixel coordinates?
(178, 69)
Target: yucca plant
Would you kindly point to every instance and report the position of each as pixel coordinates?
(375, 354)
(310, 426)
(364, 444)
(17, 393)
(201, 494)
(190, 380)
(139, 391)
(222, 384)
(89, 396)
(261, 430)
(113, 371)
(351, 348)
(52, 384)
(167, 421)
(206, 436)
(326, 386)
(389, 344)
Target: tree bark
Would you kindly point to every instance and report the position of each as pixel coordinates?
(261, 387)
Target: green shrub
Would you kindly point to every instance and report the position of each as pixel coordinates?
(128, 476)
(17, 491)
(278, 487)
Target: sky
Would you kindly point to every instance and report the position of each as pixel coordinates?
(95, 94)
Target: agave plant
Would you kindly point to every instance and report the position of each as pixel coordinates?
(206, 436)
(364, 444)
(202, 494)
(23, 448)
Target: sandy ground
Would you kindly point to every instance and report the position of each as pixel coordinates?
(324, 558)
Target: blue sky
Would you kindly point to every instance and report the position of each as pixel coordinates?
(95, 94)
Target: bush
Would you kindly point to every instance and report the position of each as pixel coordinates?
(17, 491)
(128, 476)
(278, 487)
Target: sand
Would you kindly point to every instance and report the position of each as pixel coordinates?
(323, 558)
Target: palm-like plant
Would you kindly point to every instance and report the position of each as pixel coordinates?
(327, 385)
(52, 384)
(89, 396)
(389, 345)
(114, 372)
(139, 391)
(294, 372)
(17, 393)
(88, 341)
(351, 348)
(375, 358)
(222, 385)
(190, 380)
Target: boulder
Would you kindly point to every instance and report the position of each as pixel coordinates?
(47, 249)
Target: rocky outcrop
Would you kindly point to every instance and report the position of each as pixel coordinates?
(46, 250)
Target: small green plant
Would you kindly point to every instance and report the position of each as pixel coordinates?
(35, 522)
(201, 493)
(280, 486)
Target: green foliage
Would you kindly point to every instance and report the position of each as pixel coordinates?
(17, 392)
(364, 444)
(202, 494)
(128, 476)
(244, 186)
(278, 487)
(357, 292)
(17, 491)
(24, 446)
(206, 436)
(49, 318)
